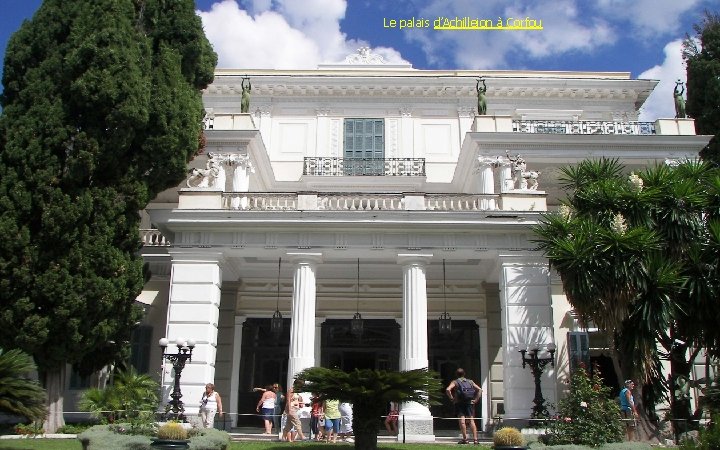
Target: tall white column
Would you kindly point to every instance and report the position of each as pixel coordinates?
(302, 328)
(415, 417)
(507, 182)
(484, 373)
(243, 167)
(193, 312)
(232, 408)
(527, 319)
(486, 180)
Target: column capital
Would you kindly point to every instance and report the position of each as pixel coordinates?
(195, 256)
(421, 259)
(304, 257)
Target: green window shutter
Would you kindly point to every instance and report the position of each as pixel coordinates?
(579, 350)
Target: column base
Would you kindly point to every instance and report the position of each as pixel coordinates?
(415, 429)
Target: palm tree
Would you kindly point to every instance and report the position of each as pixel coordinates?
(20, 395)
(638, 256)
(370, 391)
(130, 396)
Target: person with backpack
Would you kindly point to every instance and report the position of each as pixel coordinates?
(465, 394)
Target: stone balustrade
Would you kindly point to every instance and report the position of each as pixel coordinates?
(153, 238)
(271, 201)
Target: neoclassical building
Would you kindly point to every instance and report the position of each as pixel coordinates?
(373, 191)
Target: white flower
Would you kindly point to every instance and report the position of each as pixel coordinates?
(565, 212)
(583, 404)
(618, 224)
(636, 183)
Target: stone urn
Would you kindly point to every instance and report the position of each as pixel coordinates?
(170, 443)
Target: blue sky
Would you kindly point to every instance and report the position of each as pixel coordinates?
(637, 36)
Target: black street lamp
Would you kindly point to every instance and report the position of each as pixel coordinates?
(537, 365)
(178, 360)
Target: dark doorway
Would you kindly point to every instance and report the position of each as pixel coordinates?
(263, 361)
(460, 348)
(377, 348)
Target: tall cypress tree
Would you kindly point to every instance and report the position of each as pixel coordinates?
(703, 82)
(102, 110)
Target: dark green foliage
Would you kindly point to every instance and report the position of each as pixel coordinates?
(18, 394)
(101, 111)
(132, 397)
(703, 82)
(589, 415)
(370, 391)
(639, 257)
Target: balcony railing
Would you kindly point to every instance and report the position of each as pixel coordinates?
(337, 167)
(153, 238)
(582, 127)
(339, 201)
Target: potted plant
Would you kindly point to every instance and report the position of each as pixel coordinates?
(171, 435)
(508, 438)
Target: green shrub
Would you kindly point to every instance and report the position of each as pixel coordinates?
(709, 438)
(508, 436)
(589, 415)
(73, 428)
(612, 446)
(102, 437)
(172, 430)
(29, 429)
(210, 439)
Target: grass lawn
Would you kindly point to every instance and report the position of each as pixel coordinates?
(40, 444)
(73, 444)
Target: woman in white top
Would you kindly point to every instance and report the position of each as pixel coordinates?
(267, 404)
(210, 404)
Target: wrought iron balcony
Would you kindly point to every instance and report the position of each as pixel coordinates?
(337, 167)
(582, 127)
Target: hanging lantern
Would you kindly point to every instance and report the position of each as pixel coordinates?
(444, 321)
(276, 323)
(356, 323)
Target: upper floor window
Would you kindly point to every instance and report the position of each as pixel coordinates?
(364, 146)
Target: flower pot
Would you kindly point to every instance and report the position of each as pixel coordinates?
(170, 443)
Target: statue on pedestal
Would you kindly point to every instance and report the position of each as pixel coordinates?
(245, 96)
(679, 100)
(481, 101)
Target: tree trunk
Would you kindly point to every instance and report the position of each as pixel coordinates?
(366, 425)
(55, 386)
(680, 407)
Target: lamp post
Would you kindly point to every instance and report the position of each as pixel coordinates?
(178, 360)
(537, 365)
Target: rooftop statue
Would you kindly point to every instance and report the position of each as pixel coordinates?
(245, 98)
(679, 100)
(481, 101)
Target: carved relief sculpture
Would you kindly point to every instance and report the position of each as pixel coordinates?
(212, 176)
(525, 179)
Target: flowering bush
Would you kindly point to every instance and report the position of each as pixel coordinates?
(589, 415)
(31, 429)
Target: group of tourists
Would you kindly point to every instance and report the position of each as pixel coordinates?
(330, 419)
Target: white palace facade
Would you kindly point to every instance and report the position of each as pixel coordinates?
(376, 190)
